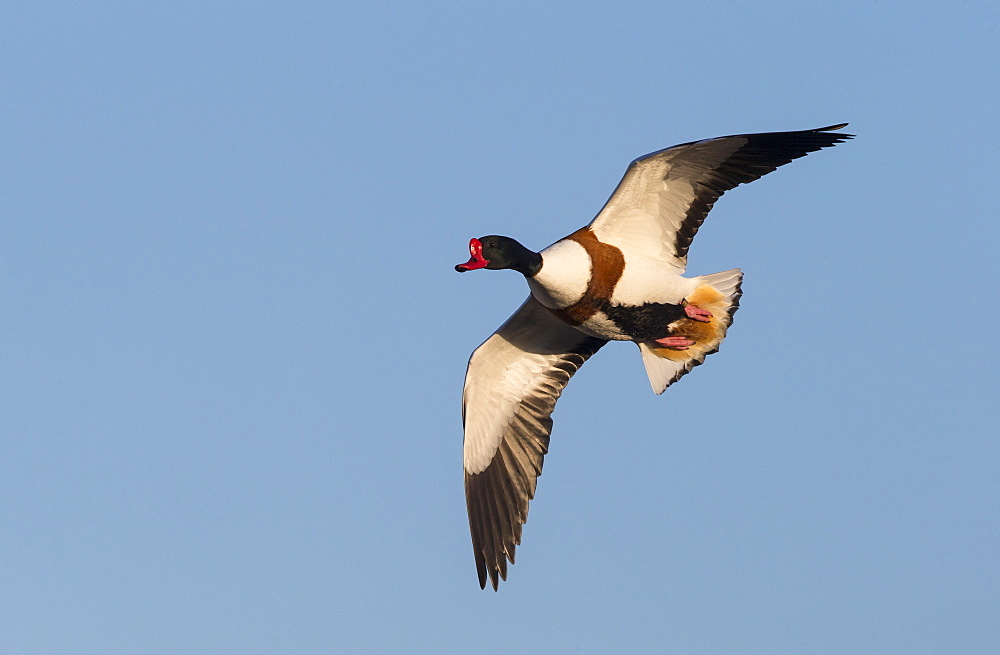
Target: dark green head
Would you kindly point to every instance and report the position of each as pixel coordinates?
(496, 253)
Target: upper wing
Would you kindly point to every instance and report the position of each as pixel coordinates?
(511, 388)
(664, 197)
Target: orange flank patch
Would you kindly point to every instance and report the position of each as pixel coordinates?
(706, 336)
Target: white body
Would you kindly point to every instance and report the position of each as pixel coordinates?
(566, 269)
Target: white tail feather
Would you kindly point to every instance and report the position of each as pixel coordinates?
(665, 370)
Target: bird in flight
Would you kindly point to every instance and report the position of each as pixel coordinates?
(620, 278)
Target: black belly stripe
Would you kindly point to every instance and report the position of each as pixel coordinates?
(647, 321)
(607, 266)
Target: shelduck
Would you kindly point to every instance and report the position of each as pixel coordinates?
(620, 278)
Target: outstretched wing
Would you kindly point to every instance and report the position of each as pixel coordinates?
(511, 388)
(664, 197)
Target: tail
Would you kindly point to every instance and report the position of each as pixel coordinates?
(720, 294)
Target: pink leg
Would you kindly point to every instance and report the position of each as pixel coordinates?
(675, 343)
(697, 313)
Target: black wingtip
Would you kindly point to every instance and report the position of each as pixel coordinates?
(832, 128)
(481, 569)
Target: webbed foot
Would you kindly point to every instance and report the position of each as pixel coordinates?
(697, 313)
(675, 343)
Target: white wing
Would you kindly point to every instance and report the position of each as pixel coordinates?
(664, 197)
(511, 388)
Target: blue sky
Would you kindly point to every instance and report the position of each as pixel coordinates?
(233, 341)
